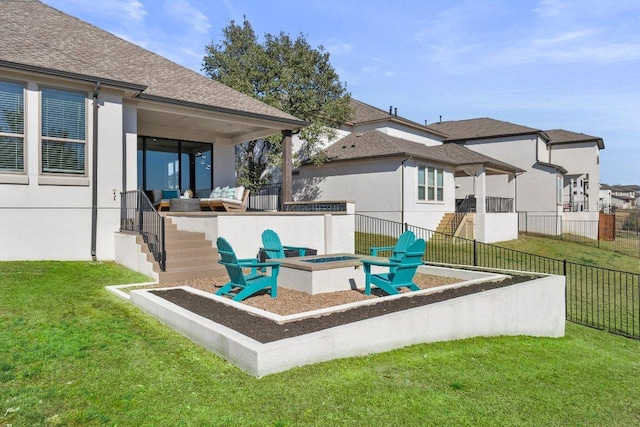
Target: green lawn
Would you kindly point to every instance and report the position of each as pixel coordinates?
(574, 252)
(75, 355)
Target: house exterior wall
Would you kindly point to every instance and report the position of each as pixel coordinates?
(426, 214)
(48, 216)
(376, 187)
(536, 188)
(580, 159)
(398, 131)
(495, 227)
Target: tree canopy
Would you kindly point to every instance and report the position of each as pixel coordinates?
(287, 74)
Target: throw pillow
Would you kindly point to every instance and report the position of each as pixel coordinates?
(230, 194)
(215, 194)
(170, 194)
(239, 193)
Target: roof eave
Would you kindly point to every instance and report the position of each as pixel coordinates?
(34, 69)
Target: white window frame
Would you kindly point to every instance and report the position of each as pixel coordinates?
(62, 139)
(16, 175)
(432, 187)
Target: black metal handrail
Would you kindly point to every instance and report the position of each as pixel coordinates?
(499, 204)
(138, 215)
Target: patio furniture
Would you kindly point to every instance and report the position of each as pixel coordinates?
(226, 202)
(404, 241)
(243, 285)
(401, 271)
(273, 248)
(167, 195)
(184, 205)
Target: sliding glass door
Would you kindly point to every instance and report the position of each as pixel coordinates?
(174, 164)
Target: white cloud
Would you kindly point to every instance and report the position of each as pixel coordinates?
(338, 47)
(183, 11)
(133, 8)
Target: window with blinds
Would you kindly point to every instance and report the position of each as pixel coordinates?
(11, 127)
(63, 132)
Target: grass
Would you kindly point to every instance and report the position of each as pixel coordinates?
(75, 355)
(573, 252)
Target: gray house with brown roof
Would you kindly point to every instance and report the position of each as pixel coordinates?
(562, 171)
(399, 170)
(85, 115)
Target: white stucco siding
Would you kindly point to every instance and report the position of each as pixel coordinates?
(224, 167)
(399, 131)
(516, 150)
(130, 135)
(423, 213)
(110, 169)
(374, 186)
(536, 188)
(50, 217)
(581, 159)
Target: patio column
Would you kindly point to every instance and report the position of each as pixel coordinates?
(481, 191)
(286, 167)
(512, 190)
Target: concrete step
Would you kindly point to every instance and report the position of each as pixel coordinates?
(191, 273)
(188, 244)
(175, 235)
(173, 264)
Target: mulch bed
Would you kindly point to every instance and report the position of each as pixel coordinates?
(264, 330)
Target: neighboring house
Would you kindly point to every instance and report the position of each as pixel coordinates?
(624, 196)
(579, 154)
(605, 203)
(562, 170)
(399, 170)
(85, 115)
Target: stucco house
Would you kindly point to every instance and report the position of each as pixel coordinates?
(85, 115)
(399, 170)
(561, 168)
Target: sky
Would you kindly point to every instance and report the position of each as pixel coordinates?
(546, 64)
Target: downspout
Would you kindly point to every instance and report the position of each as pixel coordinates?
(402, 192)
(94, 178)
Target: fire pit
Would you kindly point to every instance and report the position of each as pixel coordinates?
(323, 273)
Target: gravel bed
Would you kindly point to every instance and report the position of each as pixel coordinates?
(290, 301)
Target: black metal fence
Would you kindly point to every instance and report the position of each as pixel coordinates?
(138, 215)
(596, 297)
(265, 198)
(627, 233)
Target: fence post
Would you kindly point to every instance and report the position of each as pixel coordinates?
(406, 226)
(475, 254)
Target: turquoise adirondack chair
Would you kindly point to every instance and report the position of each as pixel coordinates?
(273, 248)
(404, 241)
(243, 285)
(401, 271)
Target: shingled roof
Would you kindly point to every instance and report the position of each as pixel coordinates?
(365, 113)
(39, 38)
(376, 144)
(485, 127)
(561, 136)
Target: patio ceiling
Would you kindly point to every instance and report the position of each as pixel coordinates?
(161, 120)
